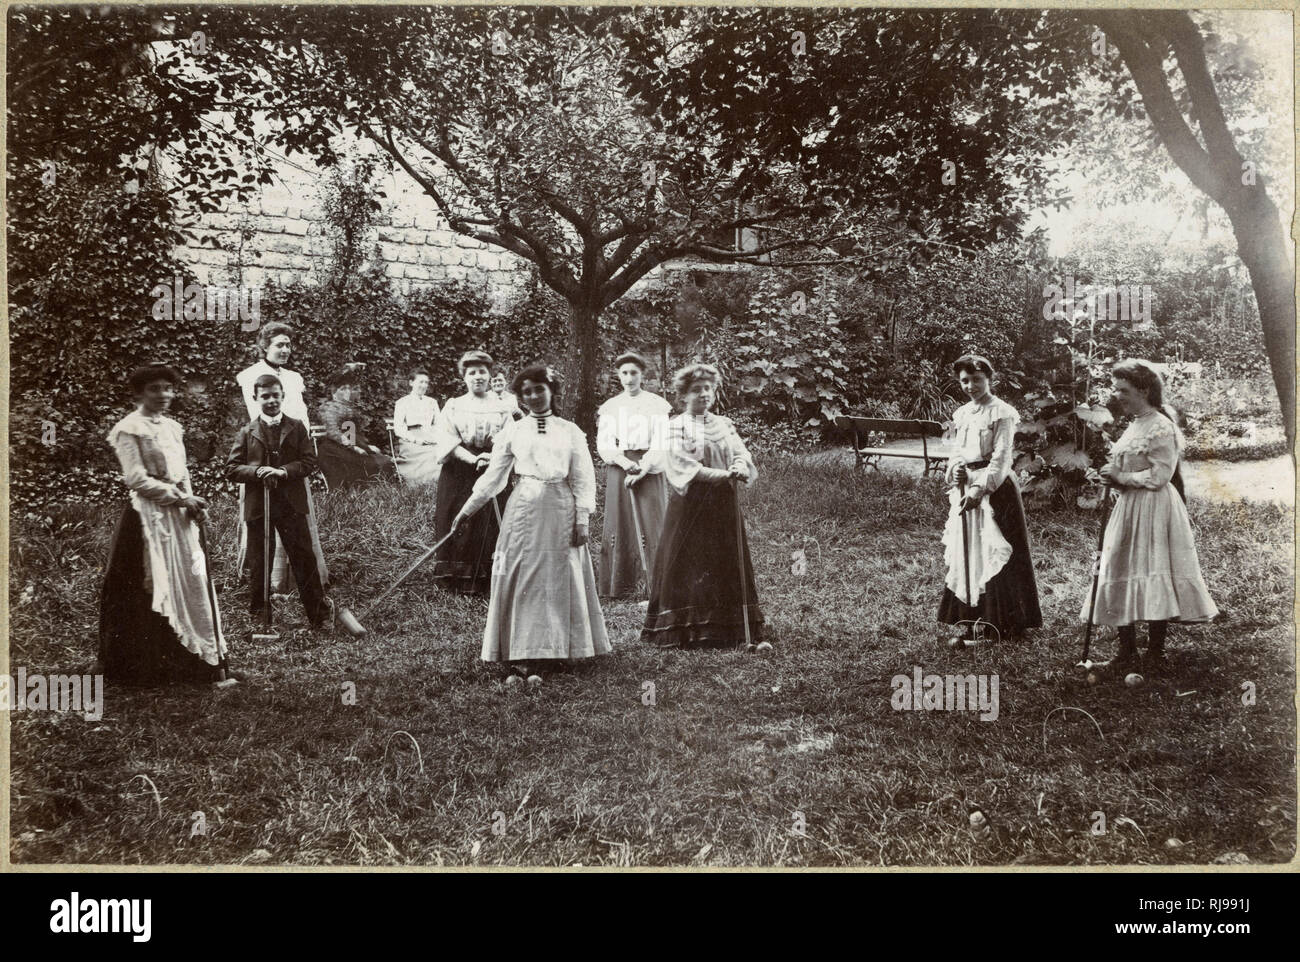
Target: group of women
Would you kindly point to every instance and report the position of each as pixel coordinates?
(532, 554)
(1148, 570)
(672, 515)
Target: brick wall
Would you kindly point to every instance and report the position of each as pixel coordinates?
(282, 235)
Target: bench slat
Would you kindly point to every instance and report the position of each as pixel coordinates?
(912, 428)
(893, 453)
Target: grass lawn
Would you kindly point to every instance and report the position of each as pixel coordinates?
(797, 758)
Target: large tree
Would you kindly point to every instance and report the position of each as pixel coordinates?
(992, 65)
(1165, 53)
(529, 129)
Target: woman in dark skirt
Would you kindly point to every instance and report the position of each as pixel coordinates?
(346, 456)
(158, 619)
(697, 600)
(463, 436)
(983, 489)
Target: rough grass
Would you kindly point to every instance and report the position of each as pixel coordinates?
(438, 763)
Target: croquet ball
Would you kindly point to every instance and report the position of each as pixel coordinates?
(763, 646)
(1133, 679)
(1092, 678)
(955, 641)
(513, 680)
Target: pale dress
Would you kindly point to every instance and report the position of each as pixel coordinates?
(544, 603)
(151, 451)
(413, 418)
(1149, 568)
(294, 405)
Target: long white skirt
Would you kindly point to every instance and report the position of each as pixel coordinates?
(983, 544)
(176, 577)
(544, 602)
(1149, 567)
(418, 463)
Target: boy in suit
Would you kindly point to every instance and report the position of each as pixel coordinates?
(274, 450)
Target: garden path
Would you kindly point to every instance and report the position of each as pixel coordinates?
(1272, 479)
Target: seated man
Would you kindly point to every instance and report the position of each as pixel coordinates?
(346, 457)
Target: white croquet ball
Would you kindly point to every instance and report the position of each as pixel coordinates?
(1133, 679)
(1092, 678)
(763, 646)
(956, 641)
(513, 680)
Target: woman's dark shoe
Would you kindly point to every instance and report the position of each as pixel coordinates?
(1128, 653)
(1153, 661)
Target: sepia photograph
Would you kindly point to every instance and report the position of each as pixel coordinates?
(656, 437)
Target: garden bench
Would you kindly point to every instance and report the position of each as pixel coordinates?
(863, 428)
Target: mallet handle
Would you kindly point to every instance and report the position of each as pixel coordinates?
(740, 560)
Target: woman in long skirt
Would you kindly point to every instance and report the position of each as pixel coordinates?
(544, 609)
(158, 618)
(630, 432)
(275, 341)
(413, 417)
(697, 599)
(983, 490)
(464, 433)
(347, 458)
(1149, 568)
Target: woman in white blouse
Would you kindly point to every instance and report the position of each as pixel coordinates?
(631, 428)
(983, 488)
(1149, 568)
(544, 608)
(158, 613)
(464, 433)
(413, 417)
(697, 599)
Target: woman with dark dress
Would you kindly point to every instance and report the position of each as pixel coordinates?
(697, 600)
(983, 488)
(158, 618)
(346, 455)
(463, 436)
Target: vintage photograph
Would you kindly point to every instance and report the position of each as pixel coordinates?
(649, 437)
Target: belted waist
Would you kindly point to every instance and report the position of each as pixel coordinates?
(636, 454)
(533, 477)
(978, 464)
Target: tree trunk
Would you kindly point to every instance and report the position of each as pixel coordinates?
(1214, 164)
(1261, 244)
(585, 364)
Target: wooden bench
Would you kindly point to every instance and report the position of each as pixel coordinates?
(863, 428)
